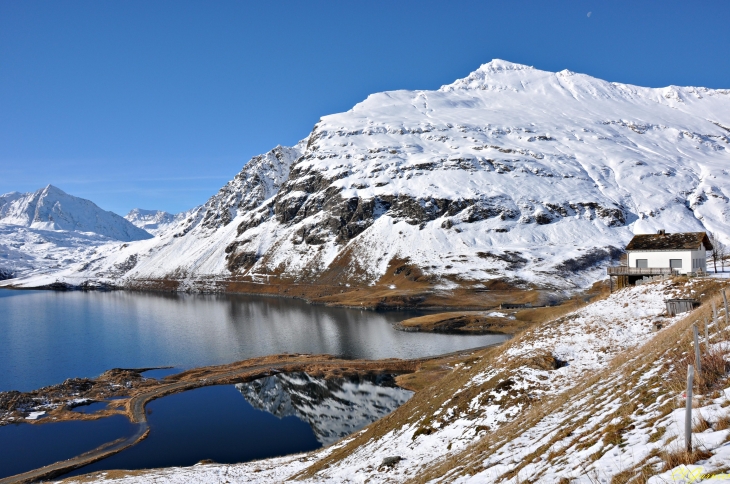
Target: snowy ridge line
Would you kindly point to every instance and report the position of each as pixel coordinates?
(513, 173)
(50, 208)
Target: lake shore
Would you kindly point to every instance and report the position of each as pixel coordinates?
(133, 392)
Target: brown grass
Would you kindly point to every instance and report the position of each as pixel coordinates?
(631, 362)
(657, 434)
(469, 322)
(674, 458)
(723, 423)
(622, 477)
(700, 424)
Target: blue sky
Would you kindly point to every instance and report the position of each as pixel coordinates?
(158, 104)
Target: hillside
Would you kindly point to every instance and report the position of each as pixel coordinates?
(592, 396)
(511, 178)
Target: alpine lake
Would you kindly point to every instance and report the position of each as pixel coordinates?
(47, 337)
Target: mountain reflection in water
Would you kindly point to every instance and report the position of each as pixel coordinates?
(333, 407)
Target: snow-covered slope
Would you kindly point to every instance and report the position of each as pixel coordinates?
(51, 208)
(511, 172)
(49, 231)
(334, 408)
(153, 221)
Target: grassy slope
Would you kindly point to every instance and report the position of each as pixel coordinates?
(478, 416)
(518, 413)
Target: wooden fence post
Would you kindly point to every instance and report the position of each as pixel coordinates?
(724, 299)
(697, 348)
(707, 337)
(688, 410)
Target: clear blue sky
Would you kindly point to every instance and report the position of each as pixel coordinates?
(156, 104)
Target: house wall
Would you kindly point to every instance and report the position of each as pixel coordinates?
(660, 258)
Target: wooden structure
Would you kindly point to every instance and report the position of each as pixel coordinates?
(677, 306)
(623, 276)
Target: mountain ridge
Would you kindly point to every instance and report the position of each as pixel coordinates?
(511, 173)
(50, 208)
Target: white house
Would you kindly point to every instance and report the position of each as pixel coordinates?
(661, 254)
(682, 252)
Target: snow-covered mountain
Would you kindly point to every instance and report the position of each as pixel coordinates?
(51, 208)
(153, 221)
(334, 408)
(512, 172)
(49, 230)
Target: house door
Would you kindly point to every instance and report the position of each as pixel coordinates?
(675, 263)
(642, 263)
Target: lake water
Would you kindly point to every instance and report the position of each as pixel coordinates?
(26, 447)
(47, 336)
(278, 415)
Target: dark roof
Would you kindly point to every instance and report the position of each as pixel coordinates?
(680, 241)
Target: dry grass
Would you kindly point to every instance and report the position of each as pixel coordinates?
(657, 434)
(675, 458)
(622, 477)
(629, 363)
(469, 322)
(723, 423)
(713, 374)
(700, 423)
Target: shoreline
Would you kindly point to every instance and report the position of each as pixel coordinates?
(386, 295)
(237, 372)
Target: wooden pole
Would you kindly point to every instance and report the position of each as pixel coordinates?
(724, 299)
(696, 332)
(688, 410)
(707, 337)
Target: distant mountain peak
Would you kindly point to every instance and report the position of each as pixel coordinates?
(50, 208)
(152, 221)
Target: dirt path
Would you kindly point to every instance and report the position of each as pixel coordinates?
(244, 371)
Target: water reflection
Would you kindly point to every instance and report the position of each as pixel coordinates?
(334, 408)
(49, 336)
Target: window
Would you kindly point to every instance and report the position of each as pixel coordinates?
(675, 263)
(642, 263)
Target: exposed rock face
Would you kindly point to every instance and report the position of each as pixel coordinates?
(259, 180)
(334, 408)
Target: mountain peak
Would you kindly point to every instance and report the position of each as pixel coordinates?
(52, 189)
(499, 65)
(495, 73)
(152, 221)
(50, 208)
